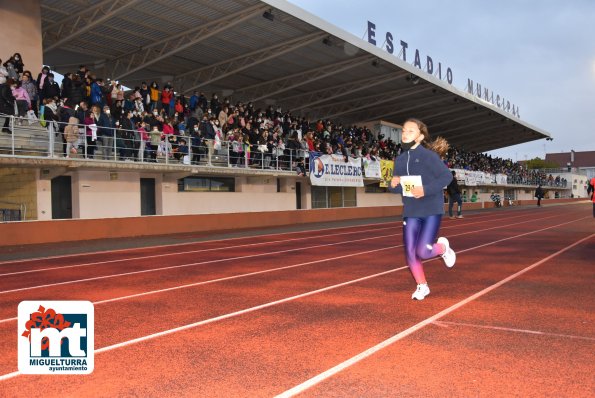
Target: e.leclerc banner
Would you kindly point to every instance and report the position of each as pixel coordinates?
(334, 171)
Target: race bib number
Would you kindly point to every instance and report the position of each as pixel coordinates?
(408, 183)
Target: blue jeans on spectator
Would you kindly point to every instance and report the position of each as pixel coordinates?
(451, 201)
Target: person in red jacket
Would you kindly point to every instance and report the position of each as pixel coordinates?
(166, 96)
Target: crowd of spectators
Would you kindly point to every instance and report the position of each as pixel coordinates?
(517, 172)
(150, 122)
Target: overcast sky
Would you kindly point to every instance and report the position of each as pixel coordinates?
(540, 54)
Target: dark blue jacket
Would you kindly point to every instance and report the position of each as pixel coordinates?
(434, 176)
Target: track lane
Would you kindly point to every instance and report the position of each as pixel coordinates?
(409, 292)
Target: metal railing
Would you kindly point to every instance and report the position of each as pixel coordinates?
(97, 143)
(12, 211)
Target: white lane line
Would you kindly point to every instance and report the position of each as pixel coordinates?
(504, 329)
(192, 264)
(295, 265)
(226, 316)
(169, 289)
(153, 256)
(369, 352)
(11, 262)
(254, 255)
(194, 243)
(266, 305)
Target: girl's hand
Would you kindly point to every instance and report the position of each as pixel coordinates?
(395, 181)
(418, 192)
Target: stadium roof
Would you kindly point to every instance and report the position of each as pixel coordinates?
(268, 52)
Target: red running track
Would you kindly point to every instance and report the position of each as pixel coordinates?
(327, 312)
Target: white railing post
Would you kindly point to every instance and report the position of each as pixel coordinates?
(166, 151)
(51, 140)
(12, 135)
(115, 147)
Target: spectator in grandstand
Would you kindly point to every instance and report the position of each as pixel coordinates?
(92, 123)
(7, 102)
(154, 141)
(423, 205)
(51, 89)
(222, 117)
(71, 136)
(166, 96)
(154, 92)
(97, 97)
(73, 92)
(41, 81)
(23, 101)
(3, 73)
(81, 111)
(154, 120)
(141, 138)
(136, 104)
(215, 105)
(65, 114)
(168, 127)
(539, 194)
(196, 143)
(31, 88)
(10, 69)
(88, 83)
(193, 102)
(454, 195)
(294, 147)
(50, 114)
(18, 63)
(125, 136)
(82, 72)
(66, 85)
(300, 168)
(181, 150)
(164, 149)
(117, 110)
(105, 133)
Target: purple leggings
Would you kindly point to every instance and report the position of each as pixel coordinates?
(419, 237)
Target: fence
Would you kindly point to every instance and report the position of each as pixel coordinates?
(10, 211)
(96, 143)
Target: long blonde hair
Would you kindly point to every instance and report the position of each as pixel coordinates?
(438, 145)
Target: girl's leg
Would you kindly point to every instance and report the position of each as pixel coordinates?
(419, 237)
(411, 231)
(426, 243)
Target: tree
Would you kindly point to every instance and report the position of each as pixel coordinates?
(538, 163)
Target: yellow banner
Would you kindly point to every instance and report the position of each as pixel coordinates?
(386, 171)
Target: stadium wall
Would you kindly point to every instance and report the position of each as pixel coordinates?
(20, 30)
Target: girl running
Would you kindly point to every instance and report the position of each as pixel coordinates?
(420, 176)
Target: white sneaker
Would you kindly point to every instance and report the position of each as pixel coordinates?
(449, 256)
(421, 292)
(459, 216)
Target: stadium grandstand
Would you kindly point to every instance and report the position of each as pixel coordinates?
(220, 108)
